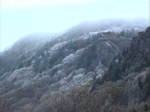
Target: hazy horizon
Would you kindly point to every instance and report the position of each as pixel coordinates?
(23, 17)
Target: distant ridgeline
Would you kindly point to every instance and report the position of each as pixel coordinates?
(133, 59)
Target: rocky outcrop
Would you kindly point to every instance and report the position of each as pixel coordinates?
(133, 59)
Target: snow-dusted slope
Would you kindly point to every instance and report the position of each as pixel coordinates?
(57, 66)
(33, 70)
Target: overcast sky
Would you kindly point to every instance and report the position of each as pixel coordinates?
(21, 17)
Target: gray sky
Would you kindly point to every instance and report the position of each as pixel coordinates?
(23, 17)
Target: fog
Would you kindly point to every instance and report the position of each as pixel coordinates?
(23, 17)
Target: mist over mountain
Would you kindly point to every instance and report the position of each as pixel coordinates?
(89, 67)
(105, 25)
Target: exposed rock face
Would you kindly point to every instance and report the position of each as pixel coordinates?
(133, 59)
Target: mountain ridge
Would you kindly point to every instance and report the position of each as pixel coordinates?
(69, 65)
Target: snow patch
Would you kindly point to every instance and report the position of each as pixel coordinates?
(69, 58)
(108, 44)
(116, 61)
(80, 51)
(78, 77)
(93, 33)
(57, 46)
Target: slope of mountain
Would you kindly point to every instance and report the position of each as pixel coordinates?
(119, 91)
(22, 51)
(28, 77)
(133, 59)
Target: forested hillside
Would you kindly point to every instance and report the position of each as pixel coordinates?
(97, 71)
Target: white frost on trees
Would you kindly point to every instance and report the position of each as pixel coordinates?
(69, 58)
